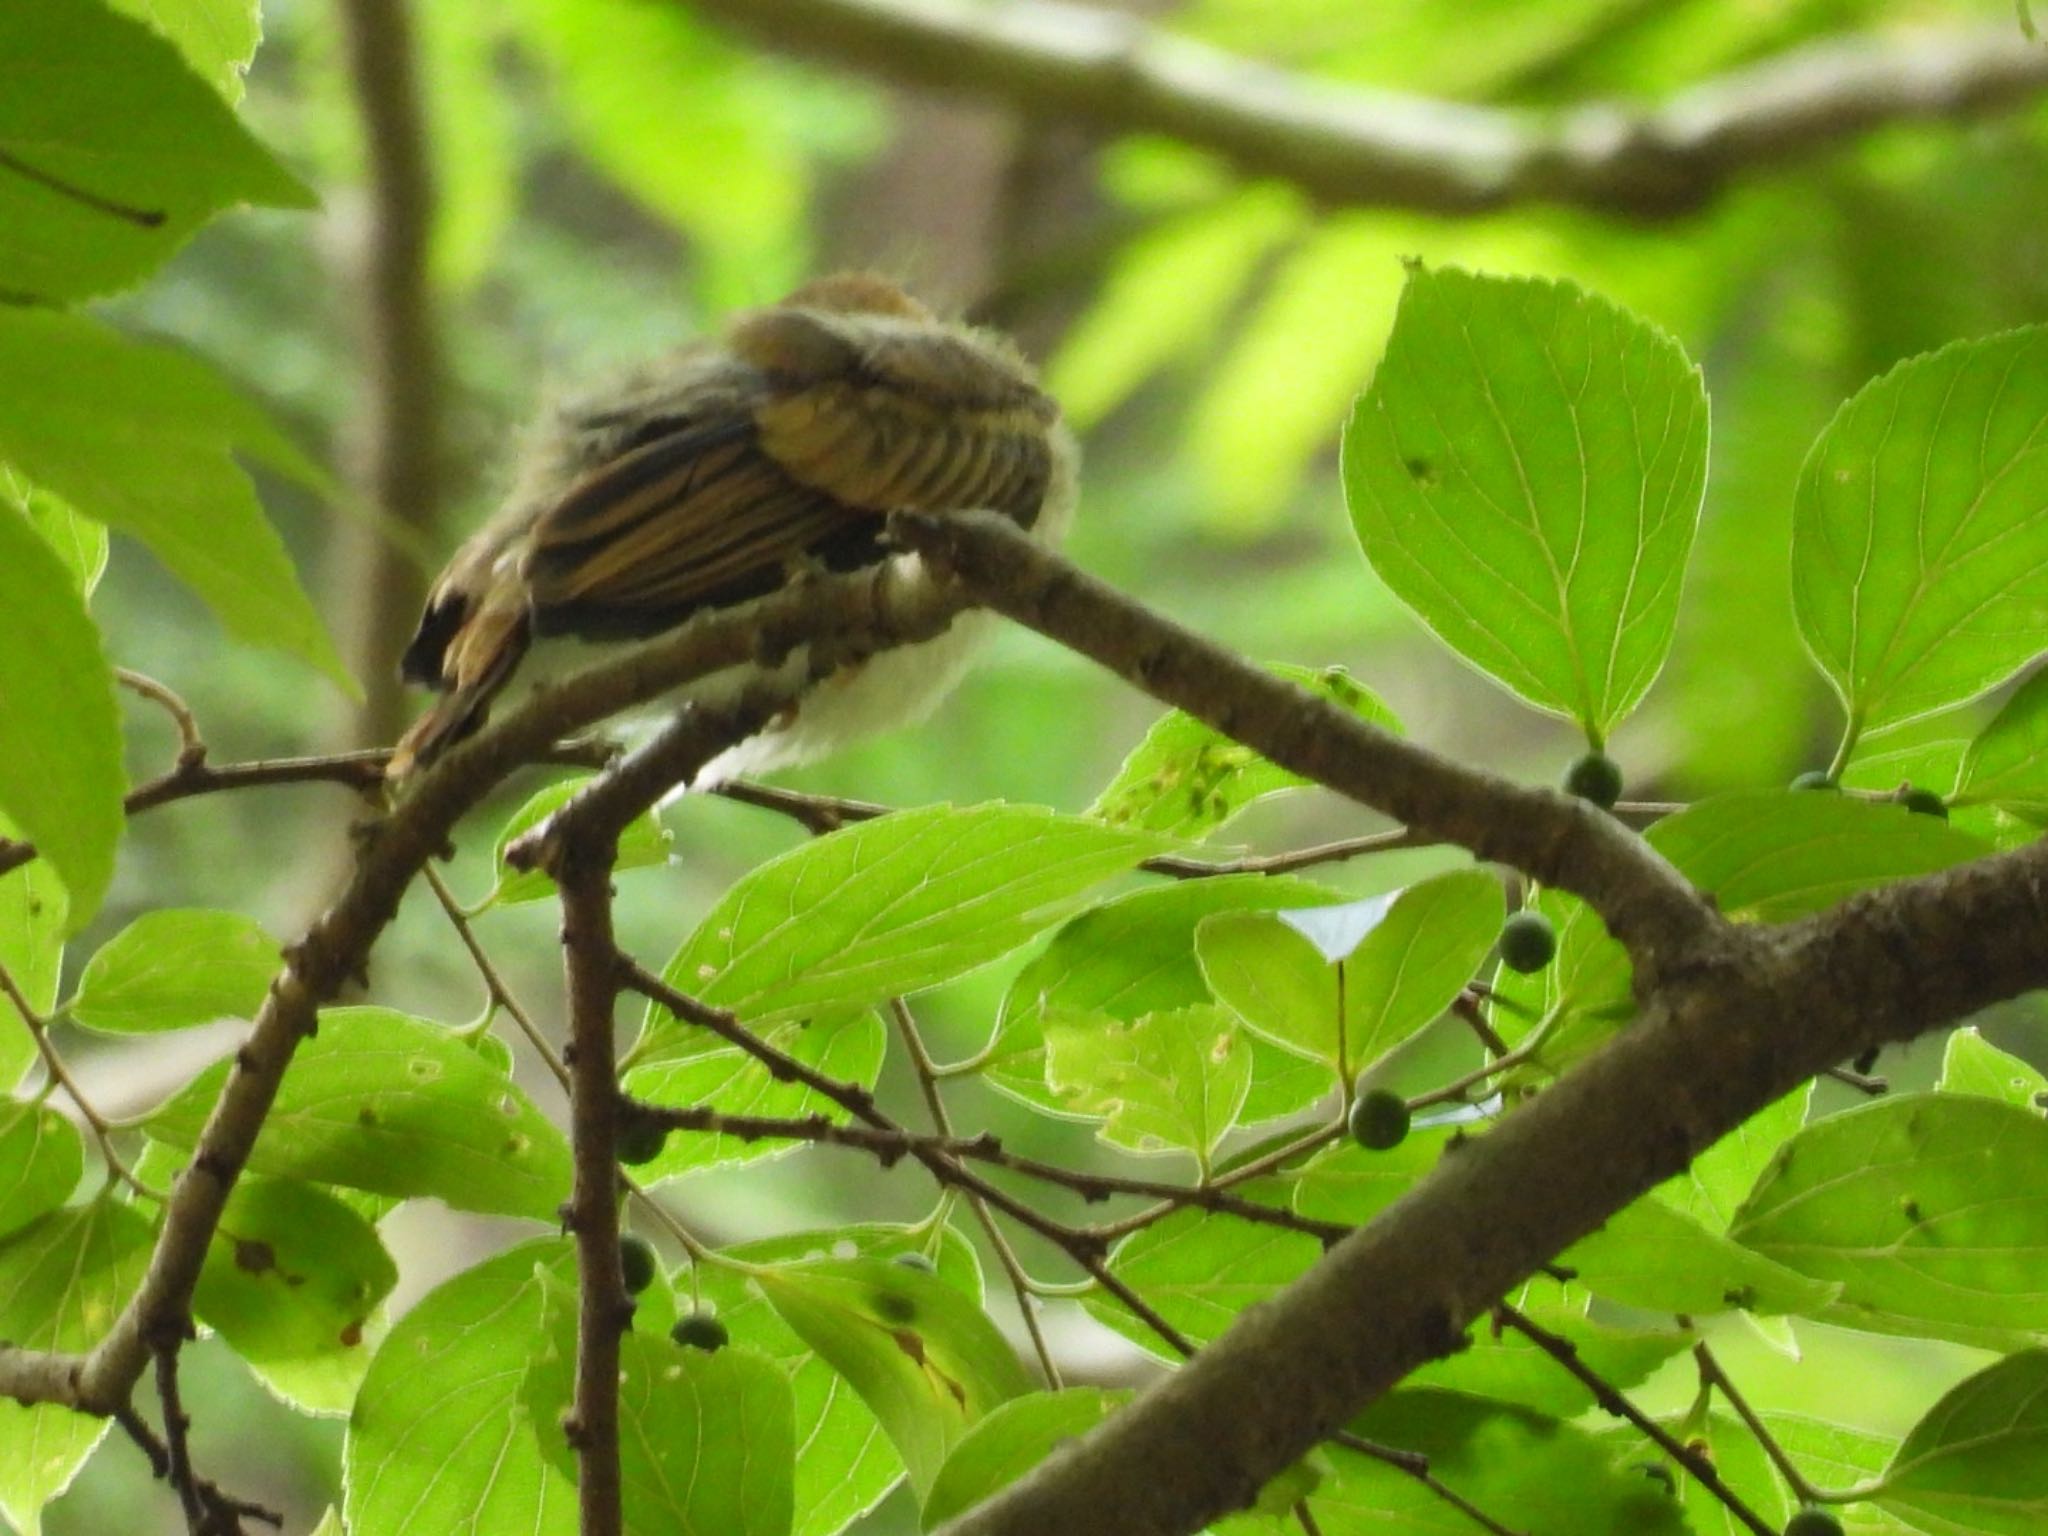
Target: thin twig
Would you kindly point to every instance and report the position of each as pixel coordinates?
(1020, 1282)
(495, 988)
(191, 746)
(1862, 1082)
(1712, 1375)
(1611, 1398)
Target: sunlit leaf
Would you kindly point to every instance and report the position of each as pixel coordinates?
(1919, 544)
(62, 1283)
(1015, 1437)
(79, 542)
(1133, 956)
(1187, 780)
(1199, 1271)
(1171, 1081)
(41, 1158)
(2007, 763)
(699, 1068)
(1525, 473)
(33, 910)
(61, 778)
(176, 967)
(116, 152)
(381, 1101)
(144, 439)
(1504, 1365)
(440, 1439)
(1972, 1064)
(1648, 1255)
(1715, 1183)
(217, 37)
(889, 906)
(1977, 1464)
(924, 1358)
(1930, 1211)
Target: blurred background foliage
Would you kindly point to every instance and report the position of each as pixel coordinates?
(612, 175)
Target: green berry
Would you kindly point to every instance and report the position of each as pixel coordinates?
(1379, 1120)
(916, 1261)
(700, 1330)
(640, 1139)
(1527, 942)
(1815, 778)
(1924, 802)
(1813, 1522)
(637, 1263)
(1595, 777)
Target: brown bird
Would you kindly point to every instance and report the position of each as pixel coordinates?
(709, 480)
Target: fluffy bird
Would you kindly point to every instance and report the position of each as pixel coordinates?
(712, 479)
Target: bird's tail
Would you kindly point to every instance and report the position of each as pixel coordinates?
(477, 661)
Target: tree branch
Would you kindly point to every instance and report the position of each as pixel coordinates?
(1553, 838)
(1350, 145)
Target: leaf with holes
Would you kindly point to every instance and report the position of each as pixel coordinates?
(1171, 1081)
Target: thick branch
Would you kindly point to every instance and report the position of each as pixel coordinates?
(584, 872)
(1374, 148)
(1554, 838)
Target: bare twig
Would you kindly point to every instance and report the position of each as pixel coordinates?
(1349, 145)
(191, 747)
(1712, 1375)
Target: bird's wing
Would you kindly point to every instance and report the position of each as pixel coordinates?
(838, 430)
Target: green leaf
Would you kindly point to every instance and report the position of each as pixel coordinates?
(1779, 854)
(707, 1441)
(1919, 544)
(1839, 1456)
(140, 152)
(176, 967)
(1503, 1365)
(642, 845)
(847, 1046)
(1525, 473)
(1647, 1255)
(890, 906)
(41, 1160)
(62, 1282)
(1977, 1464)
(1172, 1081)
(1350, 1183)
(1132, 956)
(143, 439)
(1547, 1478)
(291, 1281)
(1713, 1188)
(1199, 1270)
(1930, 1210)
(79, 542)
(2007, 764)
(440, 1439)
(1973, 1064)
(845, 1463)
(381, 1101)
(1015, 1437)
(1406, 971)
(924, 1358)
(61, 777)
(1187, 780)
(217, 37)
(33, 922)
(1580, 1000)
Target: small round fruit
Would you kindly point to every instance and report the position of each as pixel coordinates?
(1813, 1522)
(1595, 777)
(637, 1263)
(1527, 942)
(1815, 778)
(1924, 802)
(1379, 1119)
(641, 1138)
(916, 1261)
(700, 1330)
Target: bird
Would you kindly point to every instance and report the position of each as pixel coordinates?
(710, 479)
